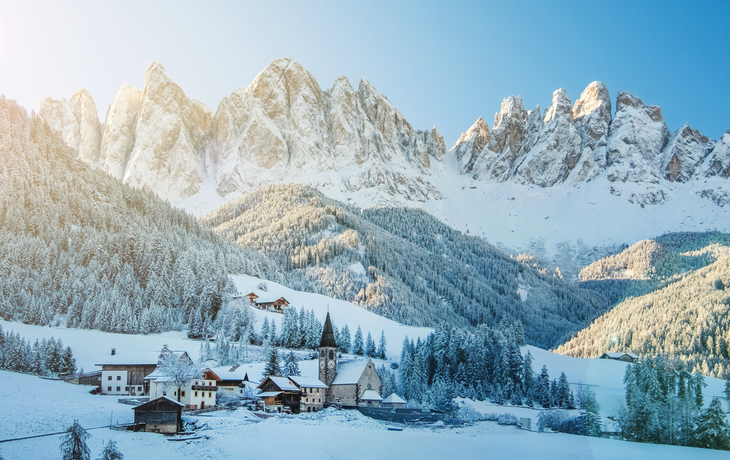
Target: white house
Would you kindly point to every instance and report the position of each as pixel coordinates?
(197, 394)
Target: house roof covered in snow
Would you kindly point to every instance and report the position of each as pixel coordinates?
(308, 382)
(394, 399)
(371, 395)
(131, 358)
(349, 372)
(152, 403)
(282, 383)
(269, 394)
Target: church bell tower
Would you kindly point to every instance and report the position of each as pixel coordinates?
(328, 354)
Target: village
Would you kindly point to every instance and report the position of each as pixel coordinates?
(164, 393)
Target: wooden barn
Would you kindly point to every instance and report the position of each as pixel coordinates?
(252, 297)
(276, 306)
(162, 415)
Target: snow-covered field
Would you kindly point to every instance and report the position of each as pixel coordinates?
(46, 406)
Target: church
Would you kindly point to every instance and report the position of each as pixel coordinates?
(350, 383)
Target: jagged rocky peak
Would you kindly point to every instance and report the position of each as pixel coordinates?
(119, 131)
(169, 130)
(561, 106)
(625, 99)
(594, 101)
(592, 118)
(77, 121)
(684, 154)
(554, 148)
(636, 139)
(470, 145)
(718, 163)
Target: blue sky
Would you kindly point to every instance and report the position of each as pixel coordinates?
(440, 63)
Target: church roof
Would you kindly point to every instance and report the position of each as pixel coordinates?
(371, 395)
(394, 399)
(328, 334)
(349, 372)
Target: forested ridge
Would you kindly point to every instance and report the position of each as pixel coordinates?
(403, 264)
(78, 248)
(674, 301)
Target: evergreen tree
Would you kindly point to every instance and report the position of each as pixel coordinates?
(291, 366)
(357, 345)
(344, 341)
(381, 346)
(727, 388)
(543, 388)
(592, 410)
(73, 443)
(712, 431)
(265, 330)
(370, 346)
(272, 364)
(111, 452)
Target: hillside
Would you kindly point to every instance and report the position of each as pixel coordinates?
(402, 263)
(78, 248)
(673, 300)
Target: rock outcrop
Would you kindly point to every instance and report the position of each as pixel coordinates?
(77, 121)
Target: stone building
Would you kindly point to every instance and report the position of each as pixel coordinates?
(351, 383)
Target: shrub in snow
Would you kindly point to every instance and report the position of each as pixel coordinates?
(469, 414)
(507, 419)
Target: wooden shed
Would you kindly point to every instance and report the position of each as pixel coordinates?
(162, 415)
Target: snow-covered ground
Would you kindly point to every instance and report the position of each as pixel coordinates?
(40, 406)
(533, 219)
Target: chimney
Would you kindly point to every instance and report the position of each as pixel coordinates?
(114, 351)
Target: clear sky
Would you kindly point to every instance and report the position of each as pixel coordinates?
(441, 63)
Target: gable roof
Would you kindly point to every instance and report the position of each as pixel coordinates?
(328, 334)
(394, 399)
(349, 372)
(371, 395)
(282, 383)
(309, 382)
(161, 399)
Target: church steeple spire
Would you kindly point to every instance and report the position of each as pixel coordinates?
(328, 334)
(328, 354)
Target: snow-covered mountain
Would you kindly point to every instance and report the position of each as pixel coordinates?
(355, 146)
(283, 127)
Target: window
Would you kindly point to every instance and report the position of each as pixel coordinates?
(109, 388)
(119, 388)
(109, 378)
(182, 393)
(210, 394)
(196, 394)
(196, 383)
(119, 377)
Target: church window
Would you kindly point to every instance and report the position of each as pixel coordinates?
(332, 354)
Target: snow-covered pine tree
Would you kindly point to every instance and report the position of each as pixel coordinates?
(344, 342)
(272, 363)
(291, 366)
(370, 350)
(357, 345)
(711, 430)
(381, 346)
(265, 330)
(73, 443)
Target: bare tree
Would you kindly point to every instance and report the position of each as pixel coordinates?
(178, 369)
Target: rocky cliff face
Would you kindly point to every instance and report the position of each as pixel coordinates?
(77, 121)
(574, 145)
(283, 127)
